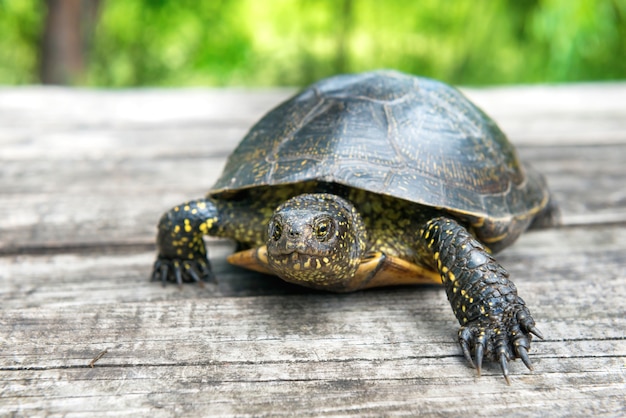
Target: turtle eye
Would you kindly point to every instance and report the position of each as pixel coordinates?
(323, 229)
(277, 231)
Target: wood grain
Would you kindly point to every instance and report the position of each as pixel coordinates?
(84, 175)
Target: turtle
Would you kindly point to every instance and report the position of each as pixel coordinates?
(375, 179)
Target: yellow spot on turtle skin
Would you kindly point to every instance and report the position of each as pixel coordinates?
(318, 265)
(187, 228)
(190, 256)
(297, 266)
(307, 263)
(186, 208)
(451, 276)
(201, 205)
(325, 260)
(176, 209)
(464, 320)
(427, 234)
(463, 308)
(437, 255)
(463, 292)
(194, 211)
(482, 309)
(444, 269)
(471, 300)
(439, 264)
(177, 229)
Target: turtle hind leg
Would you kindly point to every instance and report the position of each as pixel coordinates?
(548, 217)
(495, 322)
(182, 255)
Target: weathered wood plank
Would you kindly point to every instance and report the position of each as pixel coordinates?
(335, 389)
(534, 114)
(350, 383)
(362, 337)
(369, 345)
(105, 200)
(387, 350)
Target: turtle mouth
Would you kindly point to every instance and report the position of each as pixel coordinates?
(291, 254)
(293, 257)
(292, 251)
(297, 260)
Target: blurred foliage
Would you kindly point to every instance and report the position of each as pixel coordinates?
(21, 23)
(289, 42)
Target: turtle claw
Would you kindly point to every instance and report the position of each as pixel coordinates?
(522, 353)
(499, 339)
(504, 365)
(159, 273)
(533, 330)
(465, 346)
(196, 278)
(178, 275)
(479, 357)
(177, 271)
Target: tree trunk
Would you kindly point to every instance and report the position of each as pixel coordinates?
(66, 39)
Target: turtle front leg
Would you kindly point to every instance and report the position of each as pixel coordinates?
(495, 321)
(182, 255)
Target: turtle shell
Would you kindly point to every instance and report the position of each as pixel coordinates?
(386, 132)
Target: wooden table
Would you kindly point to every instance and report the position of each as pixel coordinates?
(85, 175)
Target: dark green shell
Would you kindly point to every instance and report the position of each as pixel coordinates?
(386, 132)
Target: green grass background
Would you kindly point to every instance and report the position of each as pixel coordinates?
(294, 42)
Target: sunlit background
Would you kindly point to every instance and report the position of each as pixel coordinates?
(124, 43)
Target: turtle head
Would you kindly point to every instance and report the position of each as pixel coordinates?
(316, 240)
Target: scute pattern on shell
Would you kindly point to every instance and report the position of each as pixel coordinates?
(386, 132)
